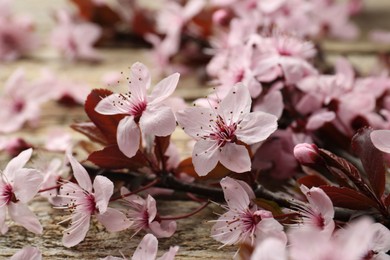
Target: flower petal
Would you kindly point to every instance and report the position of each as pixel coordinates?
(237, 102)
(22, 215)
(103, 189)
(170, 255)
(163, 228)
(77, 230)
(195, 120)
(147, 248)
(164, 89)
(139, 79)
(27, 253)
(80, 173)
(114, 220)
(235, 194)
(112, 105)
(205, 156)
(235, 157)
(17, 163)
(26, 184)
(320, 203)
(270, 249)
(128, 136)
(256, 127)
(3, 225)
(158, 121)
(381, 140)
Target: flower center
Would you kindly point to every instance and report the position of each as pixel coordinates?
(250, 220)
(8, 196)
(18, 106)
(137, 109)
(223, 133)
(90, 204)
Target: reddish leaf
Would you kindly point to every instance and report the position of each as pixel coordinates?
(348, 198)
(107, 124)
(161, 144)
(100, 14)
(372, 160)
(269, 205)
(91, 131)
(112, 158)
(141, 23)
(312, 181)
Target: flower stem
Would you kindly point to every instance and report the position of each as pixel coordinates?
(186, 215)
(50, 188)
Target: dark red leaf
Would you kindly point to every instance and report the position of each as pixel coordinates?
(91, 131)
(372, 160)
(107, 124)
(161, 144)
(112, 158)
(187, 167)
(312, 181)
(348, 198)
(100, 14)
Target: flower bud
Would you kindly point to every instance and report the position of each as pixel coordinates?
(306, 154)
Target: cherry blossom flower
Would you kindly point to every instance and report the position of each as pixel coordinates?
(147, 249)
(27, 253)
(320, 213)
(18, 186)
(86, 199)
(143, 214)
(222, 132)
(20, 102)
(17, 36)
(144, 113)
(75, 40)
(244, 222)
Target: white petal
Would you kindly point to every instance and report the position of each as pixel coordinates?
(256, 127)
(147, 248)
(128, 136)
(27, 183)
(159, 121)
(114, 220)
(103, 189)
(164, 89)
(112, 105)
(381, 140)
(17, 163)
(237, 102)
(195, 120)
(235, 194)
(205, 156)
(77, 231)
(22, 215)
(80, 173)
(235, 157)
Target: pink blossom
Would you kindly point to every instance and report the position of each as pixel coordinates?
(220, 132)
(306, 154)
(18, 186)
(270, 249)
(147, 250)
(143, 213)
(320, 213)
(381, 140)
(75, 40)
(144, 113)
(17, 36)
(86, 199)
(58, 139)
(27, 253)
(244, 222)
(20, 102)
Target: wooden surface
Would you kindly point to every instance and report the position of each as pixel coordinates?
(192, 234)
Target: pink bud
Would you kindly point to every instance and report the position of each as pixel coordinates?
(306, 154)
(221, 17)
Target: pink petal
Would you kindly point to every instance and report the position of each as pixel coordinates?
(77, 230)
(238, 101)
(103, 190)
(109, 105)
(128, 136)
(195, 120)
(26, 184)
(163, 228)
(381, 238)
(256, 127)
(192, 8)
(80, 173)
(381, 140)
(235, 157)
(272, 103)
(114, 220)
(158, 121)
(170, 255)
(343, 67)
(235, 194)
(17, 163)
(139, 79)
(164, 89)
(224, 233)
(3, 226)
(318, 119)
(205, 156)
(27, 253)
(151, 208)
(147, 248)
(22, 215)
(270, 249)
(319, 202)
